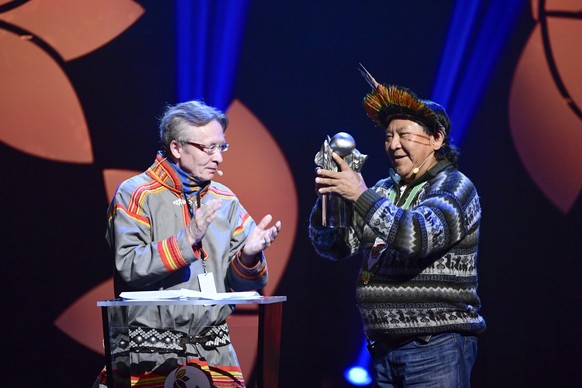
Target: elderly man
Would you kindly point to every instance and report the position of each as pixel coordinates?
(172, 227)
(417, 233)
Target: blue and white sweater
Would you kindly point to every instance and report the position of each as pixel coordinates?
(419, 248)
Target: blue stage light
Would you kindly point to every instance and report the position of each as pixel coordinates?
(466, 68)
(358, 376)
(462, 20)
(207, 51)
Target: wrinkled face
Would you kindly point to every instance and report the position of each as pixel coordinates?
(409, 147)
(193, 159)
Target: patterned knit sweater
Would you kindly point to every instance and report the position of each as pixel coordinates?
(419, 254)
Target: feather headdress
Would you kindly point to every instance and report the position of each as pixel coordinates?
(387, 102)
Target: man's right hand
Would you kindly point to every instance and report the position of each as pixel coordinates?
(202, 218)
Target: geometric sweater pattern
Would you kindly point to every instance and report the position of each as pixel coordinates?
(419, 246)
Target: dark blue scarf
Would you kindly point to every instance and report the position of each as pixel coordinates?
(191, 187)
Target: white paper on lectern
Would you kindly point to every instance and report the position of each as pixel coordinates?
(185, 293)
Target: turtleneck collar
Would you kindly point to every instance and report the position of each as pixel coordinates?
(174, 178)
(190, 185)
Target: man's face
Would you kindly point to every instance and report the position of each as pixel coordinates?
(408, 146)
(194, 160)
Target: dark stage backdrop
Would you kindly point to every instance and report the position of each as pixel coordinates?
(297, 73)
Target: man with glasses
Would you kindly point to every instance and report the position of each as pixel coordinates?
(417, 233)
(172, 227)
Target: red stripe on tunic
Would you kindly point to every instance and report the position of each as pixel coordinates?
(245, 219)
(170, 254)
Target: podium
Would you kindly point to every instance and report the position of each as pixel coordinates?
(116, 332)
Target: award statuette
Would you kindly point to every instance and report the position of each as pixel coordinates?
(336, 212)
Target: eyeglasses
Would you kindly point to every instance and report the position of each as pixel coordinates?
(211, 149)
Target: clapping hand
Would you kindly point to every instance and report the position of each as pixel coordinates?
(202, 218)
(260, 239)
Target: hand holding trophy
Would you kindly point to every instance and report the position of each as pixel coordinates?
(336, 212)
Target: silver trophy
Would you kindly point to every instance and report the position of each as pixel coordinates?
(336, 212)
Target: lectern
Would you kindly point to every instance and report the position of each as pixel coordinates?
(116, 333)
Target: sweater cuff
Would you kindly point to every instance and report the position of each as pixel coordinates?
(366, 202)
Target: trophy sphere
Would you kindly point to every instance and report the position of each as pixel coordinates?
(342, 144)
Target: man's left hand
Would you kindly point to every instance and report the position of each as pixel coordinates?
(260, 239)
